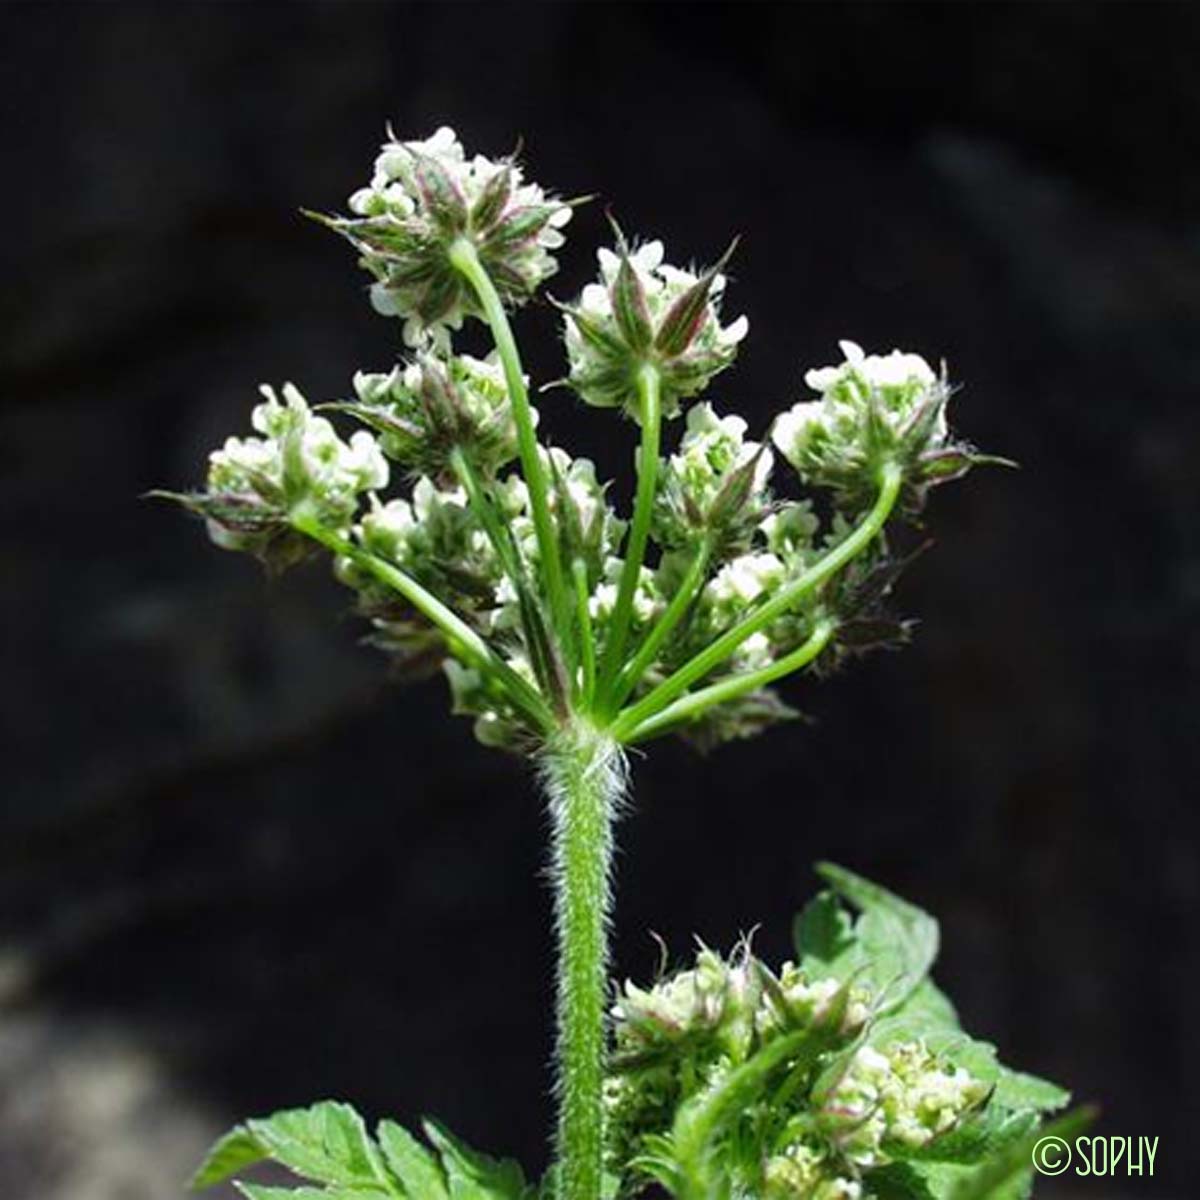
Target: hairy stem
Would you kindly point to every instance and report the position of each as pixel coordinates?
(719, 650)
(461, 638)
(650, 412)
(466, 262)
(583, 774)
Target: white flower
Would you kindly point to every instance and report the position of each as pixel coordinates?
(874, 409)
(604, 354)
(299, 458)
(423, 196)
(745, 578)
(897, 370)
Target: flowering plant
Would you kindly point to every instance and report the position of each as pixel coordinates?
(569, 633)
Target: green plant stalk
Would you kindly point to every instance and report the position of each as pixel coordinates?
(465, 260)
(545, 663)
(458, 633)
(693, 705)
(484, 510)
(689, 585)
(650, 411)
(587, 640)
(720, 649)
(583, 775)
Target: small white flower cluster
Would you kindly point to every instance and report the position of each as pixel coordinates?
(665, 317)
(425, 194)
(688, 1032)
(426, 409)
(808, 1000)
(803, 1172)
(715, 486)
(904, 1094)
(300, 459)
(872, 408)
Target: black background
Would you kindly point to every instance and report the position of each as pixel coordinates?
(238, 870)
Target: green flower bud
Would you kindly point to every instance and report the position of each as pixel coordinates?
(255, 484)
(436, 539)
(646, 312)
(715, 487)
(873, 410)
(429, 408)
(422, 198)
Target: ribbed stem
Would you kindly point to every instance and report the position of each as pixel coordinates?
(583, 774)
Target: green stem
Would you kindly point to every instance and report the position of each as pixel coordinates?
(584, 779)
(689, 585)
(465, 260)
(691, 706)
(542, 654)
(720, 649)
(461, 639)
(485, 512)
(587, 642)
(650, 411)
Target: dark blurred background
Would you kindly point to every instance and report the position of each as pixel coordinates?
(239, 870)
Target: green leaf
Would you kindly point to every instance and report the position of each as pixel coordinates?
(233, 1152)
(1016, 1089)
(975, 1139)
(823, 933)
(476, 1176)
(897, 1181)
(327, 1143)
(897, 941)
(256, 1191)
(1009, 1173)
(412, 1163)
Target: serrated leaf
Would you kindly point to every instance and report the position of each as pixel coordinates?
(473, 1175)
(411, 1163)
(1008, 1174)
(897, 941)
(1016, 1089)
(233, 1152)
(326, 1143)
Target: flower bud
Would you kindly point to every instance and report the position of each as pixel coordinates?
(255, 484)
(429, 408)
(714, 488)
(422, 198)
(646, 312)
(874, 410)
